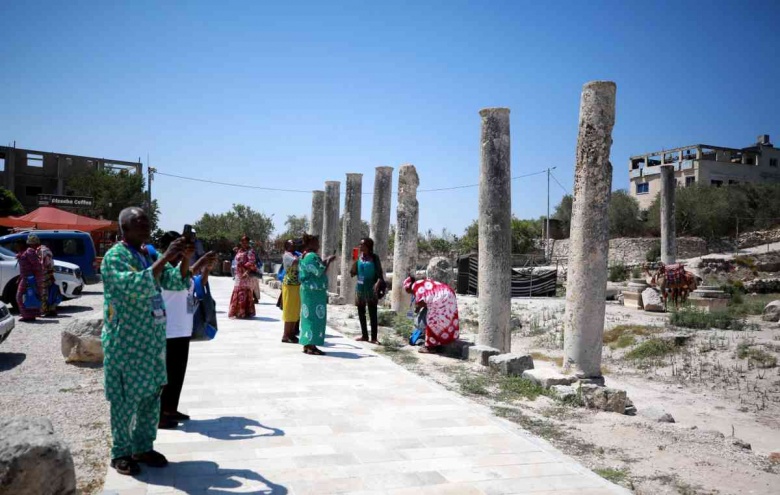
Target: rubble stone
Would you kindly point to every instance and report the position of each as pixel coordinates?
(511, 364)
(481, 354)
(604, 398)
(547, 377)
(80, 341)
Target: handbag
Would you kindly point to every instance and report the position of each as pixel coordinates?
(204, 320)
(30, 297)
(54, 297)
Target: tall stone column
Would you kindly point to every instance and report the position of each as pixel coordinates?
(350, 234)
(494, 286)
(406, 232)
(380, 212)
(668, 230)
(589, 240)
(329, 243)
(317, 206)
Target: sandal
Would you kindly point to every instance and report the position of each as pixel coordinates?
(286, 340)
(126, 466)
(316, 352)
(362, 339)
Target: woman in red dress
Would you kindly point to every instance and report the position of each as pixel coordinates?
(242, 303)
(442, 325)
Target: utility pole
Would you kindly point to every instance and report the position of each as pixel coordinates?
(547, 252)
(150, 178)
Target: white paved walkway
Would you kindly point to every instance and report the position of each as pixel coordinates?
(268, 419)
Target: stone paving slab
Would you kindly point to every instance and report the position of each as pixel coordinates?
(268, 419)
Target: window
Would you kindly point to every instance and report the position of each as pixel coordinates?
(66, 247)
(33, 191)
(716, 183)
(690, 181)
(643, 188)
(2, 163)
(773, 162)
(34, 160)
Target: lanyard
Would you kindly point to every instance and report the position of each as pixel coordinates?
(145, 262)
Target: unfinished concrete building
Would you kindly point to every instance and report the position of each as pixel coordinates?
(704, 164)
(29, 173)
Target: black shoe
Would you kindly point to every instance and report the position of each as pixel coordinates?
(167, 423)
(125, 465)
(152, 459)
(177, 416)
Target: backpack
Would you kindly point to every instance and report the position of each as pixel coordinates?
(418, 336)
(204, 321)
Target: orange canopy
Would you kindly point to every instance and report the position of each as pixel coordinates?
(50, 218)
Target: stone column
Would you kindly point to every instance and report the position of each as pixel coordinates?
(317, 205)
(329, 242)
(668, 235)
(380, 213)
(350, 234)
(494, 289)
(589, 241)
(406, 231)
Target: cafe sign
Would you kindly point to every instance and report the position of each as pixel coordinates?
(67, 201)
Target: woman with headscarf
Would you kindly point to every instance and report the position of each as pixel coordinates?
(48, 308)
(314, 295)
(442, 325)
(291, 293)
(30, 272)
(368, 270)
(242, 303)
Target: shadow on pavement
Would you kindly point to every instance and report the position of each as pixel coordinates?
(73, 309)
(10, 360)
(200, 477)
(263, 318)
(348, 355)
(230, 428)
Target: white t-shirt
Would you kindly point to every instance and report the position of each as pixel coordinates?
(178, 320)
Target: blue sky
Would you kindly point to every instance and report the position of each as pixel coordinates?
(291, 94)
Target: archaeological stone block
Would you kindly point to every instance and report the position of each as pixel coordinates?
(511, 364)
(481, 354)
(771, 312)
(604, 398)
(547, 377)
(440, 270)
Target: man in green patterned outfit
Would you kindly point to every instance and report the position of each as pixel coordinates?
(134, 338)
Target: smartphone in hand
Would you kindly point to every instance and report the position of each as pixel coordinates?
(187, 233)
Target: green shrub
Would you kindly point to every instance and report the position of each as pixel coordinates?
(636, 272)
(703, 320)
(472, 383)
(760, 357)
(654, 253)
(403, 327)
(613, 475)
(618, 273)
(652, 348)
(616, 333)
(515, 387)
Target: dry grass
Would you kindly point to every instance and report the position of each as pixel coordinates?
(614, 335)
(540, 356)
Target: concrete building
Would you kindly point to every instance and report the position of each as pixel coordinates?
(703, 164)
(29, 173)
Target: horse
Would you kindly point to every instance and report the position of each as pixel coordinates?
(673, 280)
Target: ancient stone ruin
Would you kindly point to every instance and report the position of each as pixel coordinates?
(405, 249)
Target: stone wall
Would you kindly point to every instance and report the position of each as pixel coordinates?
(759, 237)
(634, 250)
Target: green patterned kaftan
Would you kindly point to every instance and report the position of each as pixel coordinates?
(134, 346)
(314, 299)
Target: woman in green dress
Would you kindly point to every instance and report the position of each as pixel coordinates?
(314, 295)
(370, 284)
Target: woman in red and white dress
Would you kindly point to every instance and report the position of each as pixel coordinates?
(442, 325)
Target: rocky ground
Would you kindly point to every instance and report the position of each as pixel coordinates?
(721, 388)
(36, 382)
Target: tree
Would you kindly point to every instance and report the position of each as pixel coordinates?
(524, 235)
(563, 213)
(433, 244)
(624, 215)
(232, 225)
(296, 227)
(112, 191)
(469, 241)
(9, 205)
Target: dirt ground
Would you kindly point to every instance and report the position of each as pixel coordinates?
(720, 398)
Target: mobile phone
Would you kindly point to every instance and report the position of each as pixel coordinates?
(187, 232)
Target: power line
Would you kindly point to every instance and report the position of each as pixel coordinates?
(559, 184)
(249, 186)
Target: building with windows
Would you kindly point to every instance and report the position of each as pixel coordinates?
(28, 173)
(703, 164)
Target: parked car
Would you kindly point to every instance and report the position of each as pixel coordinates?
(72, 246)
(7, 322)
(66, 275)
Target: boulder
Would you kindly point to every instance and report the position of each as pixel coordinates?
(440, 269)
(564, 392)
(80, 341)
(481, 353)
(33, 459)
(511, 364)
(772, 311)
(656, 413)
(604, 398)
(457, 349)
(547, 377)
(651, 300)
